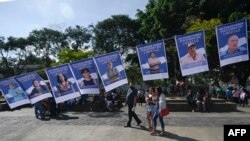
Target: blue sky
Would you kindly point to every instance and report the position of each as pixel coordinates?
(19, 17)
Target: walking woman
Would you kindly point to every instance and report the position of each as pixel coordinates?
(160, 102)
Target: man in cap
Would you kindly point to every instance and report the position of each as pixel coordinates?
(192, 55)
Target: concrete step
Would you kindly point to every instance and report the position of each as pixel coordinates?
(2, 101)
(215, 107)
(183, 100)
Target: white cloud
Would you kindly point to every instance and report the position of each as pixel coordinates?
(6, 0)
(66, 11)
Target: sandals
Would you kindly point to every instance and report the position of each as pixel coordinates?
(153, 133)
(162, 133)
(150, 129)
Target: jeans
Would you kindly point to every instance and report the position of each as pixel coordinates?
(156, 115)
(39, 110)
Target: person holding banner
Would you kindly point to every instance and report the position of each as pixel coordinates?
(112, 73)
(192, 55)
(15, 93)
(38, 89)
(88, 80)
(63, 84)
(233, 45)
(154, 63)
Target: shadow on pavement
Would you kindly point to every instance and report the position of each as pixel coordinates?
(177, 137)
(64, 117)
(104, 114)
(166, 135)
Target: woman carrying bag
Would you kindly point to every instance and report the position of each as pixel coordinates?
(160, 112)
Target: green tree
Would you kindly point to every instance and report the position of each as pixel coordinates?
(134, 74)
(77, 37)
(16, 57)
(116, 33)
(47, 43)
(223, 9)
(67, 55)
(164, 18)
(6, 62)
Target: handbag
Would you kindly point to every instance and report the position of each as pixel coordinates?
(164, 112)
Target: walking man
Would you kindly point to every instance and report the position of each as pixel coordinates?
(131, 102)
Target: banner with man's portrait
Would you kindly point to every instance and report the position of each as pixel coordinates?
(13, 93)
(192, 53)
(111, 71)
(85, 73)
(232, 42)
(153, 60)
(62, 82)
(34, 86)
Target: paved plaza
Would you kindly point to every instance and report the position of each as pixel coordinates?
(21, 125)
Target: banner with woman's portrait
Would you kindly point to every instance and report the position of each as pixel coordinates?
(85, 73)
(62, 82)
(153, 60)
(232, 42)
(13, 93)
(192, 53)
(34, 86)
(111, 71)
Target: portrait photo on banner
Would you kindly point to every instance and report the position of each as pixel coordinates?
(85, 73)
(232, 42)
(192, 52)
(111, 71)
(34, 86)
(153, 60)
(13, 93)
(62, 82)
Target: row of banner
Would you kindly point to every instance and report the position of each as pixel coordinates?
(72, 80)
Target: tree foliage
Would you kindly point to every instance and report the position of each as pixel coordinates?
(116, 33)
(77, 37)
(67, 55)
(47, 43)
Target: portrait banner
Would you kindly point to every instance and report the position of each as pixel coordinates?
(85, 73)
(232, 40)
(13, 93)
(153, 60)
(34, 86)
(62, 83)
(110, 69)
(192, 53)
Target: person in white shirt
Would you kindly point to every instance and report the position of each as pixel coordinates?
(192, 55)
(154, 63)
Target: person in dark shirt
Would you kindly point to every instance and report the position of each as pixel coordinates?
(88, 80)
(38, 89)
(131, 102)
(191, 101)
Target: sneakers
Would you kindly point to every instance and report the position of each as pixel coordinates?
(127, 126)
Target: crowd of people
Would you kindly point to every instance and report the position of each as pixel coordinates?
(199, 100)
(202, 101)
